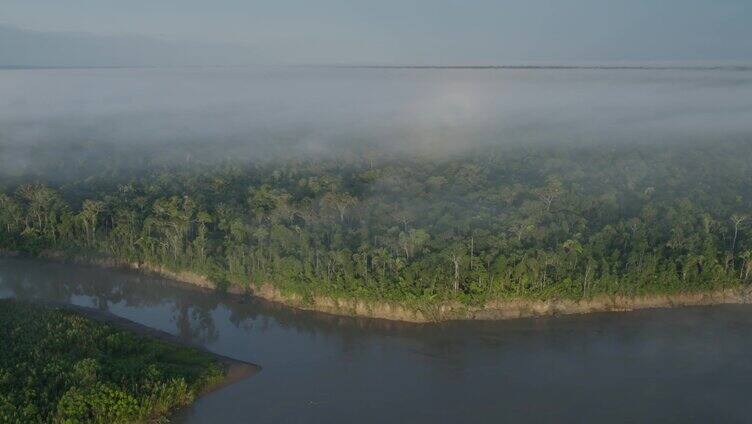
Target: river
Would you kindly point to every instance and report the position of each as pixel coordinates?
(689, 364)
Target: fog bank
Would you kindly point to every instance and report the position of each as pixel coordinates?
(256, 113)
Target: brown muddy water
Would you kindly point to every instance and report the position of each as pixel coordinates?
(690, 364)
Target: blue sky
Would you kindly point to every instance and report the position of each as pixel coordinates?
(418, 31)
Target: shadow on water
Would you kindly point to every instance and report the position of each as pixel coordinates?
(689, 364)
(191, 307)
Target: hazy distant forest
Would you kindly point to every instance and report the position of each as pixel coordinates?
(543, 221)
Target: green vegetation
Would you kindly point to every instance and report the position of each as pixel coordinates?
(59, 366)
(497, 223)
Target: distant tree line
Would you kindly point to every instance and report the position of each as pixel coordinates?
(499, 222)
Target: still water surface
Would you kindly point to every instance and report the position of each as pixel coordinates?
(681, 365)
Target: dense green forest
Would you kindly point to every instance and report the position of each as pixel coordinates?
(542, 221)
(58, 366)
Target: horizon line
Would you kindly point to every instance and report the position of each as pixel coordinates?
(706, 67)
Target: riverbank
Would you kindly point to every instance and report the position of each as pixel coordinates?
(64, 363)
(235, 370)
(315, 365)
(491, 310)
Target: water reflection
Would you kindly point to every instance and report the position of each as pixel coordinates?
(192, 310)
(686, 364)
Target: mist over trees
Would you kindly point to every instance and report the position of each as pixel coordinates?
(57, 123)
(540, 221)
(403, 185)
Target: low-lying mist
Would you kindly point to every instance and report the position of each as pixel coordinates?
(55, 121)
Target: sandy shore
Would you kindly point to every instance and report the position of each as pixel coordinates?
(492, 310)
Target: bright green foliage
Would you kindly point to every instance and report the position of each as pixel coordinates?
(59, 366)
(525, 221)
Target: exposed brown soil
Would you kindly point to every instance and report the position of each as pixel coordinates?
(493, 310)
(530, 308)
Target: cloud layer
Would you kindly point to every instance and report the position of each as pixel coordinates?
(248, 113)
